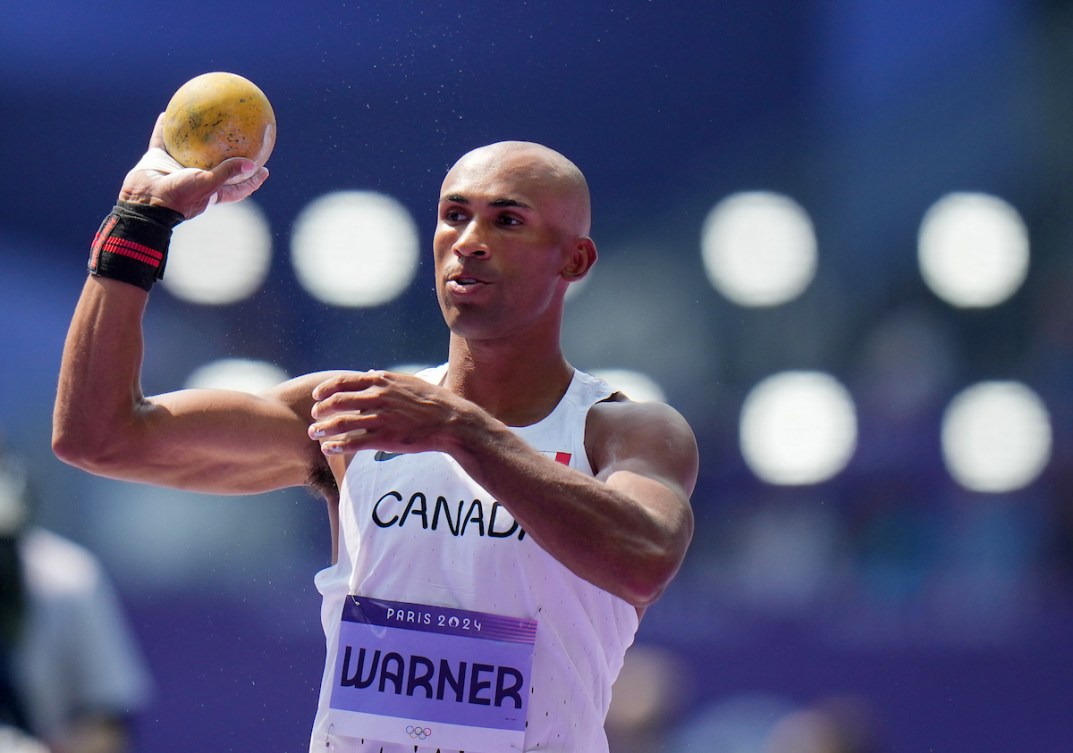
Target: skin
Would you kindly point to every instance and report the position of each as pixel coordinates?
(512, 233)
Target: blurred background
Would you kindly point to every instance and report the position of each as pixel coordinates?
(835, 235)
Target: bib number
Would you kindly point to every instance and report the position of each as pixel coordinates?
(434, 676)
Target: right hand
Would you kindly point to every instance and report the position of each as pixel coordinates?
(159, 180)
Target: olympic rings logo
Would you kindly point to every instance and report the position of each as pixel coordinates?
(418, 733)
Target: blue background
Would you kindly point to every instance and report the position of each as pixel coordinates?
(944, 612)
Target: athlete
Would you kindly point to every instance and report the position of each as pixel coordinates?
(499, 523)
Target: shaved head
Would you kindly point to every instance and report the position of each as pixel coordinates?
(532, 168)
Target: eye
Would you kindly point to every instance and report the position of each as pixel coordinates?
(454, 214)
(509, 219)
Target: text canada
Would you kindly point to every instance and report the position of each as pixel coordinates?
(458, 518)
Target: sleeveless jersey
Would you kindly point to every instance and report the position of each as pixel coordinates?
(416, 528)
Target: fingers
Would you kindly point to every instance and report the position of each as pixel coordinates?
(338, 447)
(339, 407)
(353, 400)
(344, 432)
(346, 409)
(237, 191)
(204, 188)
(237, 178)
(348, 443)
(355, 380)
(343, 423)
(381, 409)
(234, 170)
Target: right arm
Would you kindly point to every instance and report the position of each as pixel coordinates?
(203, 440)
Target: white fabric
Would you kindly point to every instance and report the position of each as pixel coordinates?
(16, 741)
(583, 631)
(77, 654)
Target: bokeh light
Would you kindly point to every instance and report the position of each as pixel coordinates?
(798, 427)
(996, 437)
(759, 248)
(220, 257)
(410, 368)
(355, 248)
(574, 288)
(635, 385)
(241, 374)
(973, 249)
(12, 498)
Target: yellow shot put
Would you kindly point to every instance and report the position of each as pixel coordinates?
(215, 116)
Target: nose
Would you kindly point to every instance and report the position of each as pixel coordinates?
(470, 242)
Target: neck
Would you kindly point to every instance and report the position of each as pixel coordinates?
(518, 383)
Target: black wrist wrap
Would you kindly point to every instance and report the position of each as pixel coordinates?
(132, 244)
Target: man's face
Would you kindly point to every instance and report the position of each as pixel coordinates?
(500, 247)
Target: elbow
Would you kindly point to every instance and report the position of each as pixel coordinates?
(96, 436)
(66, 443)
(643, 598)
(646, 584)
(82, 448)
(648, 571)
(73, 448)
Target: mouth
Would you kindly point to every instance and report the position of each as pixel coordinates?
(463, 282)
(463, 286)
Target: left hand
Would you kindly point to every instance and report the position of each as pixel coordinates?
(385, 410)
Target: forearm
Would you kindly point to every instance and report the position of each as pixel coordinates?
(99, 384)
(626, 530)
(220, 441)
(210, 440)
(598, 528)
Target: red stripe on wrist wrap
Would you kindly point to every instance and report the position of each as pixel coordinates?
(132, 244)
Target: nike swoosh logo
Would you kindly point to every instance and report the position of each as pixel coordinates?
(381, 456)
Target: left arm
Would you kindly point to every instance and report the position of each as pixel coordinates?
(625, 530)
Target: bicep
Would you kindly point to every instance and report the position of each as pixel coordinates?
(219, 441)
(225, 441)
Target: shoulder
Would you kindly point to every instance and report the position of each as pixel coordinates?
(619, 428)
(619, 413)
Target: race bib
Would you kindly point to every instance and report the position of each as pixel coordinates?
(432, 676)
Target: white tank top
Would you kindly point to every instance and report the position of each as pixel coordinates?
(396, 542)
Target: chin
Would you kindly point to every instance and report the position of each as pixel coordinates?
(472, 327)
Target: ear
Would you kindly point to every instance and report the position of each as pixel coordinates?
(580, 259)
